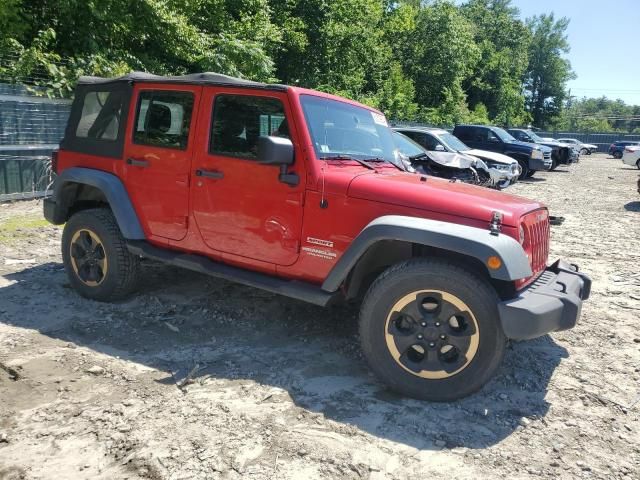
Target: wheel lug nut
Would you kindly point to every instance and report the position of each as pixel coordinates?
(424, 324)
(432, 344)
(420, 336)
(443, 337)
(437, 324)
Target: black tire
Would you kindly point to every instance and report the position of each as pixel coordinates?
(531, 173)
(554, 164)
(638, 164)
(524, 168)
(111, 272)
(585, 151)
(398, 283)
(617, 155)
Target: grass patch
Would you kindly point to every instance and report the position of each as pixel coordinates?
(14, 229)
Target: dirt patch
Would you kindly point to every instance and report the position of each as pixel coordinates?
(278, 388)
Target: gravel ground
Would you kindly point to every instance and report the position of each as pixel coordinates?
(196, 378)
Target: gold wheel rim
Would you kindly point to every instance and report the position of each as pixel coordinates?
(432, 334)
(88, 257)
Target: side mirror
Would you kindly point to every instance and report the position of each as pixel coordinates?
(278, 151)
(494, 140)
(275, 151)
(439, 148)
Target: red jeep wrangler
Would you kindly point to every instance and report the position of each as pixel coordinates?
(296, 192)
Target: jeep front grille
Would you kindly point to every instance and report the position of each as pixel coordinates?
(536, 226)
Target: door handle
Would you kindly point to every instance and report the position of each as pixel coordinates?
(137, 163)
(209, 173)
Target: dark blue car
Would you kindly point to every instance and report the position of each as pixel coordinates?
(617, 148)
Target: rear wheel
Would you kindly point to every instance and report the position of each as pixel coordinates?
(96, 258)
(530, 173)
(554, 164)
(617, 155)
(430, 330)
(585, 151)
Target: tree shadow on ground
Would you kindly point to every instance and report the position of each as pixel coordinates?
(180, 319)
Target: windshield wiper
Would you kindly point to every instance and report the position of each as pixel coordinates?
(346, 157)
(418, 156)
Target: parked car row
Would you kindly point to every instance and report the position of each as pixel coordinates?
(561, 153)
(481, 148)
(616, 149)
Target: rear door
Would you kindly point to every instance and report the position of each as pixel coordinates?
(158, 156)
(241, 207)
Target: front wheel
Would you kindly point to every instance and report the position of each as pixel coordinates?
(430, 330)
(96, 258)
(585, 151)
(617, 155)
(524, 169)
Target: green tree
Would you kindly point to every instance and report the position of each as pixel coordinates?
(503, 40)
(548, 71)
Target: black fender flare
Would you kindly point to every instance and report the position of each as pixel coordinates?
(470, 241)
(56, 207)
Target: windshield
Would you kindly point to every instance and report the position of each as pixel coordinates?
(453, 142)
(339, 129)
(406, 146)
(503, 134)
(535, 136)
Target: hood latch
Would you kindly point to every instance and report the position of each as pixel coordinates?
(496, 223)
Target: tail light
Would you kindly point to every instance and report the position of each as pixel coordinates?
(54, 161)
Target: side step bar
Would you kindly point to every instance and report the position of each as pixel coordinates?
(199, 263)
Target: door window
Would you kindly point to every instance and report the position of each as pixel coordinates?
(239, 120)
(163, 119)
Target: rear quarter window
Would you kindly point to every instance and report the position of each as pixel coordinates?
(101, 115)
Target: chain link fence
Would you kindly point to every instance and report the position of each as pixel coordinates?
(31, 127)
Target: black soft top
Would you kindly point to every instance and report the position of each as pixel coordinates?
(205, 78)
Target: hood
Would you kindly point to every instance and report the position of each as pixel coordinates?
(452, 160)
(556, 144)
(441, 196)
(493, 156)
(529, 146)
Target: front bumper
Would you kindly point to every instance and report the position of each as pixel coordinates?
(540, 163)
(550, 304)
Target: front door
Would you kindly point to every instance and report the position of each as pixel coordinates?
(158, 156)
(240, 206)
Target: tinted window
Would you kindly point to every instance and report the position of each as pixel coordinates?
(100, 117)
(465, 133)
(163, 119)
(406, 145)
(239, 120)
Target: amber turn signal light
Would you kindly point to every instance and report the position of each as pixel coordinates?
(494, 262)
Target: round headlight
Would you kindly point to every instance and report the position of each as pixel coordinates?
(521, 235)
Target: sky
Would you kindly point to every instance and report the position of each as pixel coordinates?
(605, 44)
